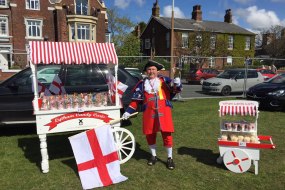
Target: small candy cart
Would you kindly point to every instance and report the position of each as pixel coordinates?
(239, 143)
(73, 112)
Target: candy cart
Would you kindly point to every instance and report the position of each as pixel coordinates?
(73, 112)
(239, 143)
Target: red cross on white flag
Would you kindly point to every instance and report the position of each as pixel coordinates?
(96, 157)
(121, 87)
(56, 86)
(42, 88)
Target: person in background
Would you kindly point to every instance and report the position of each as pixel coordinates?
(154, 94)
(177, 76)
(273, 68)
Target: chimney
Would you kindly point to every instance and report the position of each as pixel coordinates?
(197, 13)
(228, 16)
(155, 9)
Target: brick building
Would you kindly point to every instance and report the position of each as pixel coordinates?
(47, 20)
(211, 43)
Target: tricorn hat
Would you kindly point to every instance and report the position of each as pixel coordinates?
(151, 63)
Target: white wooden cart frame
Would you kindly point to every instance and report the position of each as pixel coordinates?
(237, 156)
(56, 121)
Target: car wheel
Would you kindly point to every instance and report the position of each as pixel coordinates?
(201, 80)
(226, 91)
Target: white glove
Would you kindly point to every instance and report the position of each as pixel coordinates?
(126, 116)
(177, 81)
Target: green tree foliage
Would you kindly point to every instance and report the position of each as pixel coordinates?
(119, 27)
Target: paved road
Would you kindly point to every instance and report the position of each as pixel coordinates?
(191, 91)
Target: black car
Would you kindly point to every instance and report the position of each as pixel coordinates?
(270, 94)
(16, 92)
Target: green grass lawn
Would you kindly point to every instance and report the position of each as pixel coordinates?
(195, 153)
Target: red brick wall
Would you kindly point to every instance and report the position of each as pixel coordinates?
(5, 75)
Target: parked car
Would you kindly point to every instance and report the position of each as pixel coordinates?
(199, 75)
(232, 80)
(270, 94)
(47, 74)
(16, 92)
(135, 72)
(266, 73)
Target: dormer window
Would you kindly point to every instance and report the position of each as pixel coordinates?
(81, 7)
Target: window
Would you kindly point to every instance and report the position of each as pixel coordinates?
(82, 32)
(33, 4)
(230, 42)
(34, 28)
(81, 7)
(3, 26)
(185, 40)
(147, 43)
(167, 40)
(3, 3)
(247, 43)
(213, 41)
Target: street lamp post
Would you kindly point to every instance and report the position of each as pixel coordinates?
(172, 41)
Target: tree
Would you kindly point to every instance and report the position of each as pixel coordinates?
(119, 27)
(274, 41)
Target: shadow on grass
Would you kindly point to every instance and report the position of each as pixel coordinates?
(205, 156)
(58, 147)
(13, 130)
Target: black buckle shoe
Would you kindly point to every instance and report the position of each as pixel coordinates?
(152, 161)
(170, 164)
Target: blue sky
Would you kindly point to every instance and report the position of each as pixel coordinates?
(253, 15)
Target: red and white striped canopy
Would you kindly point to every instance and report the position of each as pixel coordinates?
(72, 52)
(234, 107)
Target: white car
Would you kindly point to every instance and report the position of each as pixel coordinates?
(232, 80)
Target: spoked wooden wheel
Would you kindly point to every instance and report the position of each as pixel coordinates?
(237, 160)
(125, 142)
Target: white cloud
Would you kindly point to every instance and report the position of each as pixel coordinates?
(258, 18)
(244, 2)
(122, 4)
(140, 2)
(167, 12)
(235, 20)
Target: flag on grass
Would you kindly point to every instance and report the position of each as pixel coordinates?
(96, 157)
(56, 86)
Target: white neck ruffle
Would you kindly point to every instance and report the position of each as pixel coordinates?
(152, 84)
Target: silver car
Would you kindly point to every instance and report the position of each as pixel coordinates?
(232, 80)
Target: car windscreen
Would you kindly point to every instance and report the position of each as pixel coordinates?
(278, 79)
(228, 74)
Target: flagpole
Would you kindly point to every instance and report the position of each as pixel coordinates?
(172, 42)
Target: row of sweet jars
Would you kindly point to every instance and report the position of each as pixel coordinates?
(248, 138)
(239, 126)
(67, 101)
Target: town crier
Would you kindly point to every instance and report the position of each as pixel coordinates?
(154, 94)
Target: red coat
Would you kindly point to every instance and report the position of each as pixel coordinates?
(156, 108)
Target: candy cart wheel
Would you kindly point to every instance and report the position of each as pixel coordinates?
(125, 142)
(237, 160)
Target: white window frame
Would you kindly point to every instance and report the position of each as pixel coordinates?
(147, 43)
(4, 4)
(39, 36)
(75, 28)
(80, 3)
(230, 42)
(84, 30)
(213, 40)
(33, 4)
(247, 43)
(185, 40)
(5, 24)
